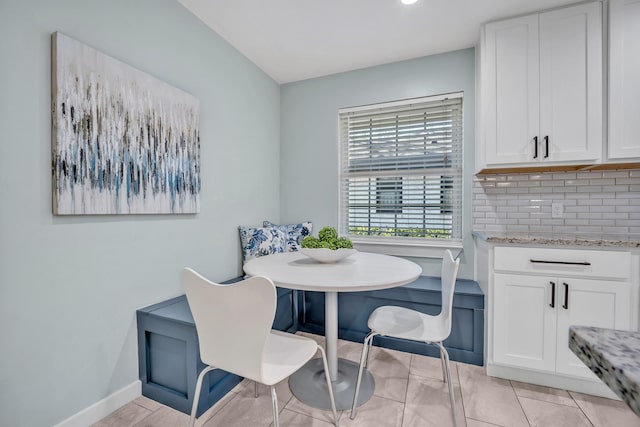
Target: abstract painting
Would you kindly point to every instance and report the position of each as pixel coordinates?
(124, 142)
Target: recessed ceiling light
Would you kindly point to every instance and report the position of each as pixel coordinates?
(409, 1)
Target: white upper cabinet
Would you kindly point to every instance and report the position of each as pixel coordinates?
(541, 89)
(624, 81)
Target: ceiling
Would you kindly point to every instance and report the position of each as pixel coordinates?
(293, 40)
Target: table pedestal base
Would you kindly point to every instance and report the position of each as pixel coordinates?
(309, 385)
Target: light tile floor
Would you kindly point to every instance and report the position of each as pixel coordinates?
(409, 393)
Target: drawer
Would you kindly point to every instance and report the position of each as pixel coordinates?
(570, 262)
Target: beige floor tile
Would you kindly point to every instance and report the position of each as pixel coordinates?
(349, 350)
(246, 410)
(606, 412)
(428, 404)
(165, 417)
(390, 370)
(127, 416)
(206, 415)
(546, 414)
(475, 423)
(317, 338)
(296, 405)
(377, 412)
(147, 403)
(489, 399)
(294, 419)
(244, 383)
(546, 394)
(431, 367)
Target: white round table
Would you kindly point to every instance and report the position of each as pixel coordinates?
(362, 271)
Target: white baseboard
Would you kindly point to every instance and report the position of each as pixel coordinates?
(104, 407)
(596, 388)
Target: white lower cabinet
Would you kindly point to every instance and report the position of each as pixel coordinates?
(533, 313)
(538, 293)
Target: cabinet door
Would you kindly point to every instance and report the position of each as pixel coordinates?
(588, 303)
(624, 85)
(510, 94)
(524, 323)
(571, 83)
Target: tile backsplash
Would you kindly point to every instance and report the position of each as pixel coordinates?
(593, 204)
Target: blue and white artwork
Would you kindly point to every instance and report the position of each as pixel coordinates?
(124, 142)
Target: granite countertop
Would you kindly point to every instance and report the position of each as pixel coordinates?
(613, 355)
(592, 241)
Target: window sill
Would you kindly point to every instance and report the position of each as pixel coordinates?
(432, 249)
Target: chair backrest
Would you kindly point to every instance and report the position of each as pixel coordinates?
(448, 276)
(232, 321)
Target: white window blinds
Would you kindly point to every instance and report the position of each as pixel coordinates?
(401, 169)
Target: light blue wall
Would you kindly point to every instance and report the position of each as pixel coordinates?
(70, 286)
(309, 133)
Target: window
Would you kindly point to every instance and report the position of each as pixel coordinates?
(401, 171)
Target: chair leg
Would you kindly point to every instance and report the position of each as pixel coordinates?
(445, 356)
(274, 402)
(196, 396)
(329, 385)
(256, 391)
(366, 349)
(444, 368)
(366, 362)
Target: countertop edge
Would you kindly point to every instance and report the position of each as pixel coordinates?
(548, 241)
(597, 361)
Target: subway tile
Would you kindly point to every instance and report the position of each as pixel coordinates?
(589, 175)
(590, 202)
(615, 174)
(615, 230)
(615, 188)
(518, 228)
(485, 221)
(553, 222)
(565, 189)
(529, 183)
(602, 195)
(602, 181)
(589, 229)
(590, 215)
(564, 175)
(603, 222)
(629, 195)
(528, 222)
(519, 177)
(541, 228)
(577, 196)
(577, 209)
(605, 208)
(626, 223)
(576, 221)
(553, 183)
(590, 189)
(564, 229)
(634, 173)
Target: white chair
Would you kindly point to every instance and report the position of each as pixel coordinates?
(233, 323)
(404, 323)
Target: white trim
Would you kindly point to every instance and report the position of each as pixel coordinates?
(433, 249)
(555, 380)
(104, 407)
(401, 103)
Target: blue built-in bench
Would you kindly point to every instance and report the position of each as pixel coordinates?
(169, 354)
(465, 344)
(168, 349)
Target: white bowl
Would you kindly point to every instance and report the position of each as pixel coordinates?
(325, 255)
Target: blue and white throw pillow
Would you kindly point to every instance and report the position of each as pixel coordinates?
(256, 242)
(294, 233)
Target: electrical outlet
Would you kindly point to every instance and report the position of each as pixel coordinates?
(557, 210)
